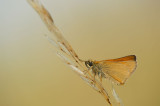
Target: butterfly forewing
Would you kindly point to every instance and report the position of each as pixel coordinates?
(119, 69)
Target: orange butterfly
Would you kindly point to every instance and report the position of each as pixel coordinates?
(117, 70)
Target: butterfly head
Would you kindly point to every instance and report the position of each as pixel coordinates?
(88, 63)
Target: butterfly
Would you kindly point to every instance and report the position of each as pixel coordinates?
(118, 70)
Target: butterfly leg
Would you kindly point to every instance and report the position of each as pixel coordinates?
(94, 75)
(101, 77)
(86, 71)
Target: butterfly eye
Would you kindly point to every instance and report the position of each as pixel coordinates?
(90, 64)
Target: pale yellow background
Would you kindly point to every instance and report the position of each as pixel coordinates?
(32, 75)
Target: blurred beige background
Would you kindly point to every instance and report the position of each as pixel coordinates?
(32, 75)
